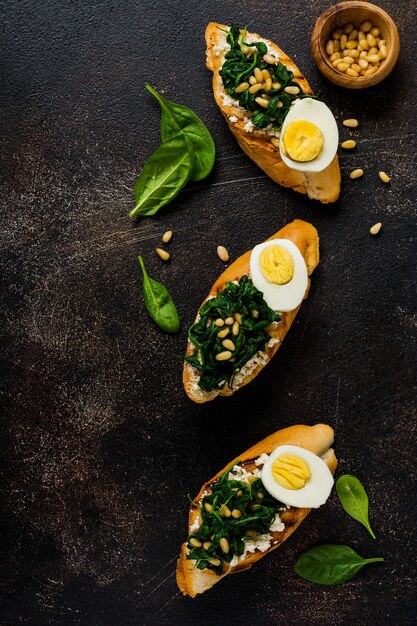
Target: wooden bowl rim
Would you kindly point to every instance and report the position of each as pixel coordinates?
(336, 77)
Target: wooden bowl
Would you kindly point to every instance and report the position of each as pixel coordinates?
(357, 12)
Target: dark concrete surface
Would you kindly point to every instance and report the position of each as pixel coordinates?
(100, 444)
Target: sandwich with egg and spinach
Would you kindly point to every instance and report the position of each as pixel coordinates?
(249, 310)
(270, 109)
(254, 504)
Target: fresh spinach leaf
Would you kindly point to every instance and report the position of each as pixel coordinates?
(158, 303)
(178, 119)
(354, 499)
(330, 564)
(164, 175)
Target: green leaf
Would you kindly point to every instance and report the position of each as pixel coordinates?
(164, 175)
(354, 499)
(178, 119)
(330, 564)
(158, 303)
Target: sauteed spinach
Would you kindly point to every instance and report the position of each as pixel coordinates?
(238, 68)
(231, 511)
(255, 316)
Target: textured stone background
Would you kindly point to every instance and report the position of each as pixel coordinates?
(100, 444)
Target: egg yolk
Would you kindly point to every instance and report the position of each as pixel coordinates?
(290, 471)
(276, 265)
(302, 141)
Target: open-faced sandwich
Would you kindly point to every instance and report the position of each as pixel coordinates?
(270, 108)
(244, 319)
(255, 503)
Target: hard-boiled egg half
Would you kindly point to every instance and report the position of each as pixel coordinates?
(278, 269)
(309, 136)
(297, 477)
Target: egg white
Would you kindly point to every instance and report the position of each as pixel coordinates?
(320, 115)
(314, 493)
(280, 297)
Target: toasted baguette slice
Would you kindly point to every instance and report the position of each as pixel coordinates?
(305, 236)
(323, 186)
(316, 439)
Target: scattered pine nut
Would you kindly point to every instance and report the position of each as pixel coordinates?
(206, 545)
(268, 58)
(258, 75)
(223, 333)
(236, 513)
(195, 542)
(242, 87)
(222, 254)
(235, 329)
(224, 544)
(225, 511)
(374, 230)
(223, 356)
(163, 254)
(292, 90)
(216, 562)
(167, 236)
(356, 174)
(208, 507)
(229, 321)
(229, 345)
(351, 123)
(219, 322)
(349, 144)
(384, 177)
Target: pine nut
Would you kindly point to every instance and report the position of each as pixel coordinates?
(366, 26)
(363, 54)
(206, 545)
(236, 513)
(336, 62)
(268, 84)
(292, 90)
(335, 55)
(355, 174)
(336, 34)
(343, 41)
(336, 44)
(356, 67)
(383, 52)
(349, 144)
(276, 85)
(219, 322)
(262, 102)
(371, 70)
(354, 53)
(382, 43)
(361, 35)
(258, 75)
(372, 58)
(167, 236)
(351, 45)
(351, 72)
(224, 544)
(275, 142)
(375, 31)
(351, 123)
(255, 88)
(363, 64)
(268, 58)
(208, 507)
(222, 253)
(384, 177)
(223, 356)
(373, 50)
(215, 562)
(342, 67)
(330, 47)
(238, 317)
(242, 87)
(229, 320)
(364, 44)
(353, 35)
(255, 314)
(239, 493)
(348, 60)
(253, 81)
(374, 230)
(235, 329)
(225, 511)
(163, 254)
(266, 74)
(371, 40)
(347, 29)
(229, 345)
(195, 542)
(223, 333)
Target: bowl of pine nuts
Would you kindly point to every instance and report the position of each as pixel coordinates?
(355, 44)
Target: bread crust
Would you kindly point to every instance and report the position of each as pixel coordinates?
(316, 439)
(323, 186)
(305, 237)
